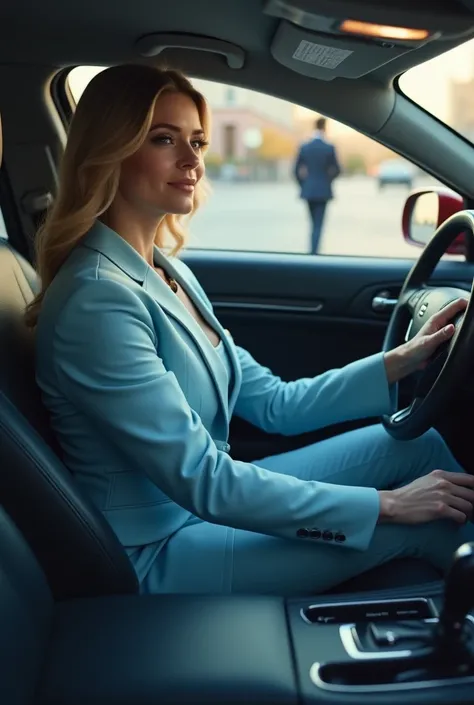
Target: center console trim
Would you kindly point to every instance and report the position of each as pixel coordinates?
(383, 687)
(314, 674)
(357, 603)
(352, 645)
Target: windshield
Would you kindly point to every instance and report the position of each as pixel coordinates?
(445, 88)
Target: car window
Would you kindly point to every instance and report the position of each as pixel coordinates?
(258, 144)
(444, 86)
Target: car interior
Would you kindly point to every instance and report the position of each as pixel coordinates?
(73, 626)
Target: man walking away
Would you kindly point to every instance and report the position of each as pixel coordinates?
(316, 168)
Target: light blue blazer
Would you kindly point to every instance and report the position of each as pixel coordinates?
(141, 403)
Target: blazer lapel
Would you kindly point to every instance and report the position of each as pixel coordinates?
(175, 308)
(115, 248)
(227, 340)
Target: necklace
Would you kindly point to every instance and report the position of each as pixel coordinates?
(172, 283)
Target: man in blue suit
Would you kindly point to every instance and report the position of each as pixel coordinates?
(316, 168)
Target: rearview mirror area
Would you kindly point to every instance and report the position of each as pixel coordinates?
(425, 210)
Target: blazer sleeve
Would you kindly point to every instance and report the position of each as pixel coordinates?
(358, 390)
(107, 363)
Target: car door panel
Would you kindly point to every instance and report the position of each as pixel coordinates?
(301, 316)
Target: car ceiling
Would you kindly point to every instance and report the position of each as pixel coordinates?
(38, 37)
(104, 31)
(54, 33)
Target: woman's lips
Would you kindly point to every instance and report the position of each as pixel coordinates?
(182, 186)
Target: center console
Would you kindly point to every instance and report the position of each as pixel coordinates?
(411, 646)
(419, 648)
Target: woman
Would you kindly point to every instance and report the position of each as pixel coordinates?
(141, 381)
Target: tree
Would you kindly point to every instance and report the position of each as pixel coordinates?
(355, 164)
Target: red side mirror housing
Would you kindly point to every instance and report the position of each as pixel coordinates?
(425, 210)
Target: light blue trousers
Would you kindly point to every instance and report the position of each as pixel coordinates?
(207, 558)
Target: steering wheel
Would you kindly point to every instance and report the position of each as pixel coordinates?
(453, 361)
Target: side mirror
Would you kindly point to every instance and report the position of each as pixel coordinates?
(425, 210)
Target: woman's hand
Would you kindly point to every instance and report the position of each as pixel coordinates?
(414, 354)
(439, 495)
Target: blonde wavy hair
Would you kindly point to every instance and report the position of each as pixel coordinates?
(111, 123)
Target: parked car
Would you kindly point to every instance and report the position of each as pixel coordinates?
(395, 171)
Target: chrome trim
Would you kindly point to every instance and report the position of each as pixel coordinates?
(282, 308)
(358, 603)
(381, 303)
(383, 687)
(352, 645)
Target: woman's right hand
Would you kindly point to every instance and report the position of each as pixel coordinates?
(439, 495)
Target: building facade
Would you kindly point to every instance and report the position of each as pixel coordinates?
(237, 112)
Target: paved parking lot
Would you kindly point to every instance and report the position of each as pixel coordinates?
(361, 220)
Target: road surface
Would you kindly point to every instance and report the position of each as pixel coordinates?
(269, 217)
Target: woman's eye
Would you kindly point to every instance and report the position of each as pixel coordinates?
(162, 139)
(199, 144)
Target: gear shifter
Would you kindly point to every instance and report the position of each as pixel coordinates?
(452, 644)
(458, 600)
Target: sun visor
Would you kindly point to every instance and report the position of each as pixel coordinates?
(326, 57)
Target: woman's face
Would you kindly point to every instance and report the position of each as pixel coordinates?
(162, 175)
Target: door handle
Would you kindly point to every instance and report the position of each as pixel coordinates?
(383, 302)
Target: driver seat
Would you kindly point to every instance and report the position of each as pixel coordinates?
(76, 547)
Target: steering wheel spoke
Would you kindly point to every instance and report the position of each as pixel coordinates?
(404, 414)
(410, 298)
(403, 424)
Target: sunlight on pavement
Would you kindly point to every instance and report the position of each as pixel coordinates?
(269, 217)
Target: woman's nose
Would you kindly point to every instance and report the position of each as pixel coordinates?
(189, 159)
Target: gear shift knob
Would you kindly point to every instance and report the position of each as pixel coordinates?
(458, 594)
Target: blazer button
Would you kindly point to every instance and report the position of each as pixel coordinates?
(340, 538)
(302, 533)
(315, 534)
(328, 536)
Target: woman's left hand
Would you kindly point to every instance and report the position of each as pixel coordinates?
(414, 354)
